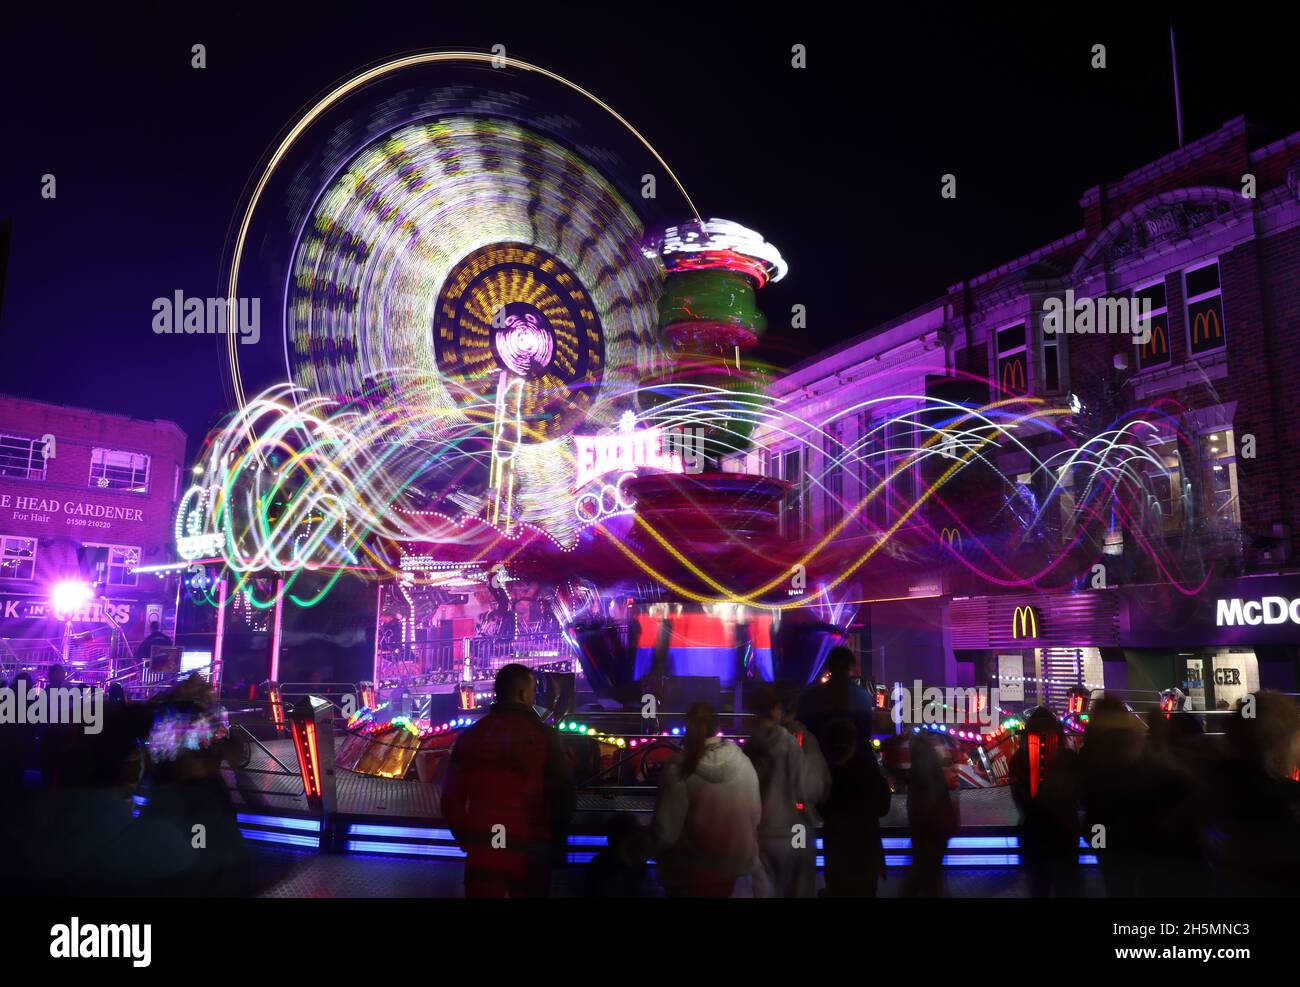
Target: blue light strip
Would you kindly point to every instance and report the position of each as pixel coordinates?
(405, 832)
(291, 839)
(404, 849)
(280, 822)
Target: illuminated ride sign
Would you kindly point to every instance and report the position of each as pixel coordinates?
(193, 540)
(669, 450)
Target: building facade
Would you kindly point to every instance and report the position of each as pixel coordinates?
(1021, 567)
(86, 498)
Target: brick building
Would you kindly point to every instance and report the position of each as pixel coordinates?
(1207, 241)
(86, 497)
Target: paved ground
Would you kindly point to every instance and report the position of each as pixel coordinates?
(296, 874)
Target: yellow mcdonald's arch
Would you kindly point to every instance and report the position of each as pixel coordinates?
(1202, 324)
(1013, 370)
(952, 537)
(1024, 622)
(1149, 348)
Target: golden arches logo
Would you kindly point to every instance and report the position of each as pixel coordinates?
(1149, 348)
(1202, 325)
(1024, 622)
(950, 537)
(1013, 375)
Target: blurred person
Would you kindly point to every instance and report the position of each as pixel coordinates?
(188, 742)
(60, 743)
(1257, 801)
(1049, 807)
(509, 794)
(931, 819)
(839, 696)
(154, 639)
(1117, 795)
(620, 869)
(707, 813)
(792, 778)
(859, 796)
(1175, 765)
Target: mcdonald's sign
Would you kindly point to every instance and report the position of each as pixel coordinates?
(1157, 343)
(1013, 375)
(1024, 622)
(1206, 324)
(950, 537)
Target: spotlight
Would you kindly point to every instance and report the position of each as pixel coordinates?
(70, 595)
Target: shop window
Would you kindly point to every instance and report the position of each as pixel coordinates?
(17, 558)
(1012, 359)
(1219, 456)
(1204, 307)
(1155, 326)
(111, 469)
(22, 457)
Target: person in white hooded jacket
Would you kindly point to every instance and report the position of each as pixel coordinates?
(707, 813)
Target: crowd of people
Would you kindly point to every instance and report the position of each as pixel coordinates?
(723, 811)
(1166, 809)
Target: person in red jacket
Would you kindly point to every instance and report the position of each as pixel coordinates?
(509, 794)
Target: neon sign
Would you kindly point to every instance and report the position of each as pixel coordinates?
(1024, 622)
(626, 452)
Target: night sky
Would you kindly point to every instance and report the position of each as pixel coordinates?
(839, 164)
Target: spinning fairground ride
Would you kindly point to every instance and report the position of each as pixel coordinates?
(512, 362)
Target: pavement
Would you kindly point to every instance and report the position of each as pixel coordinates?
(285, 873)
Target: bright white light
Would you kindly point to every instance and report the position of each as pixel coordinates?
(70, 595)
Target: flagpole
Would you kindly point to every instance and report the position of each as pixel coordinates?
(1178, 104)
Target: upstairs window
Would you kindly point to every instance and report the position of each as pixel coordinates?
(1011, 343)
(111, 563)
(22, 457)
(111, 469)
(1204, 301)
(1219, 456)
(17, 558)
(792, 514)
(1155, 326)
(833, 476)
(869, 451)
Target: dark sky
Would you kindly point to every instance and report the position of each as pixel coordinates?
(839, 164)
